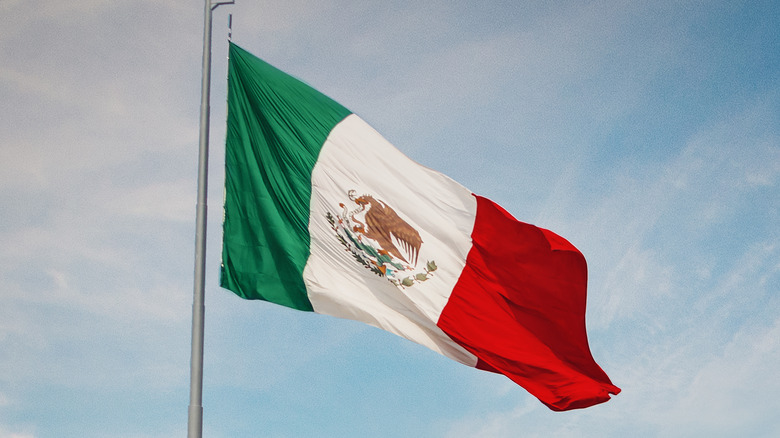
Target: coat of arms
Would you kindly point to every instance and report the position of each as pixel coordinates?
(380, 240)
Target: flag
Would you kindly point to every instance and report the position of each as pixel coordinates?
(322, 214)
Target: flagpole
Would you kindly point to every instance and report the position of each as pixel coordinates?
(195, 413)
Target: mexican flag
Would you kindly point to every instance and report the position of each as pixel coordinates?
(322, 214)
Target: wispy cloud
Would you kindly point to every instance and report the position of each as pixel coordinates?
(646, 133)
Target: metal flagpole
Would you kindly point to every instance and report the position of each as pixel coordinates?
(195, 416)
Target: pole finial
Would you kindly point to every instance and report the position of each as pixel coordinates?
(217, 4)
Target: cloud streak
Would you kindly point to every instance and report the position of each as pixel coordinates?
(647, 134)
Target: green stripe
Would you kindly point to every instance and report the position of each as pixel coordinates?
(276, 126)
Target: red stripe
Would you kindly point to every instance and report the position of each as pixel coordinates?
(519, 306)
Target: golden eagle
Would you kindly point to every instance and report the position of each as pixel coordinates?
(383, 225)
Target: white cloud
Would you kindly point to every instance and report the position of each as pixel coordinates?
(98, 135)
(734, 392)
(7, 434)
(171, 201)
(698, 196)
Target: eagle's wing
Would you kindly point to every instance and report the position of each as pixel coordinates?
(384, 221)
(410, 239)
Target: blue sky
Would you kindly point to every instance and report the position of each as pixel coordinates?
(646, 134)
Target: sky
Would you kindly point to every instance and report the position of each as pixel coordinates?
(646, 133)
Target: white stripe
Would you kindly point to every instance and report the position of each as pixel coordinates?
(356, 157)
